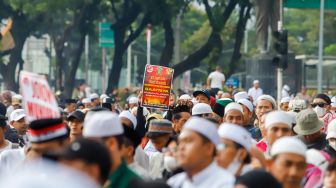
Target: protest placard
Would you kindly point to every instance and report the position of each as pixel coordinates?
(38, 99)
(156, 86)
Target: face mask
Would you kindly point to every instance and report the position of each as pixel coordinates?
(332, 144)
(320, 111)
(170, 163)
(235, 164)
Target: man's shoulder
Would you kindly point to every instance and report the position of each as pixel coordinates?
(177, 180)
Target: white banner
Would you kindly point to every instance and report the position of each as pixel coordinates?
(38, 100)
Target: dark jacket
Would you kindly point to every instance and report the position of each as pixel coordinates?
(330, 151)
(12, 135)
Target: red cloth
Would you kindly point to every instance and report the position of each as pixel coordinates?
(262, 146)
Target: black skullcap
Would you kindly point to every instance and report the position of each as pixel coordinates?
(219, 109)
(324, 97)
(89, 151)
(70, 101)
(44, 130)
(181, 108)
(258, 179)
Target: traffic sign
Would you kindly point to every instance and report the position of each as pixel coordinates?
(106, 35)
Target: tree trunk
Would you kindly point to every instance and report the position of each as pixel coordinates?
(70, 77)
(119, 50)
(20, 37)
(58, 68)
(244, 15)
(194, 59)
(167, 53)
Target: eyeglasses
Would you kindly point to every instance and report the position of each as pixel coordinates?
(322, 105)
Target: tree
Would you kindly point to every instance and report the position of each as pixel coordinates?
(25, 23)
(68, 25)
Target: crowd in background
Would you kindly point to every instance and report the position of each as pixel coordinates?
(207, 138)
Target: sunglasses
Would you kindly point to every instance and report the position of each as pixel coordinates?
(322, 105)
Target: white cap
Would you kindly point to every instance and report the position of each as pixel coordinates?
(17, 114)
(185, 97)
(203, 127)
(268, 98)
(240, 95)
(316, 158)
(246, 103)
(127, 114)
(286, 87)
(333, 104)
(288, 144)
(144, 113)
(236, 133)
(293, 114)
(103, 96)
(285, 99)
(102, 124)
(201, 108)
(297, 104)
(331, 133)
(278, 117)
(133, 100)
(17, 96)
(256, 82)
(333, 99)
(94, 96)
(233, 106)
(86, 100)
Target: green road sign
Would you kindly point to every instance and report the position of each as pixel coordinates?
(311, 4)
(106, 35)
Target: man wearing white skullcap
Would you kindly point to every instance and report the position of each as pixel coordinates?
(240, 95)
(196, 153)
(255, 91)
(288, 163)
(128, 119)
(233, 153)
(234, 114)
(284, 103)
(264, 104)
(106, 127)
(247, 118)
(278, 124)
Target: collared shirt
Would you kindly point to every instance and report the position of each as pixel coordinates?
(212, 176)
(121, 177)
(150, 149)
(255, 93)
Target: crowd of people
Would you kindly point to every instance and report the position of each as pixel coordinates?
(207, 138)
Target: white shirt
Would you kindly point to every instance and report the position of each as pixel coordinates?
(212, 176)
(11, 159)
(141, 158)
(216, 79)
(9, 146)
(255, 93)
(150, 149)
(139, 170)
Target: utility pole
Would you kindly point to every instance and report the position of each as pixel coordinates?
(177, 58)
(320, 52)
(87, 59)
(129, 66)
(280, 69)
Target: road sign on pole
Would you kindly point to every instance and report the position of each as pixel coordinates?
(106, 35)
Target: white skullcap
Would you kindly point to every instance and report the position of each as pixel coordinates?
(316, 158)
(240, 95)
(333, 99)
(256, 82)
(185, 97)
(145, 111)
(103, 96)
(278, 117)
(203, 127)
(128, 115)
(201, 108)
(236, 134)
(288, 144)
(293, 114)
(286, 87)
(246, 103)
(17, 114)
(17, 96)
(233, 106)
(133, 100)
(94, 96)
(297, 104)
(86, 101)
(333, 104)
(285, 99)
(331, 133)
(268, 98)
(102, 124)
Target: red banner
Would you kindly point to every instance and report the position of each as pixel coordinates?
(157, 86)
